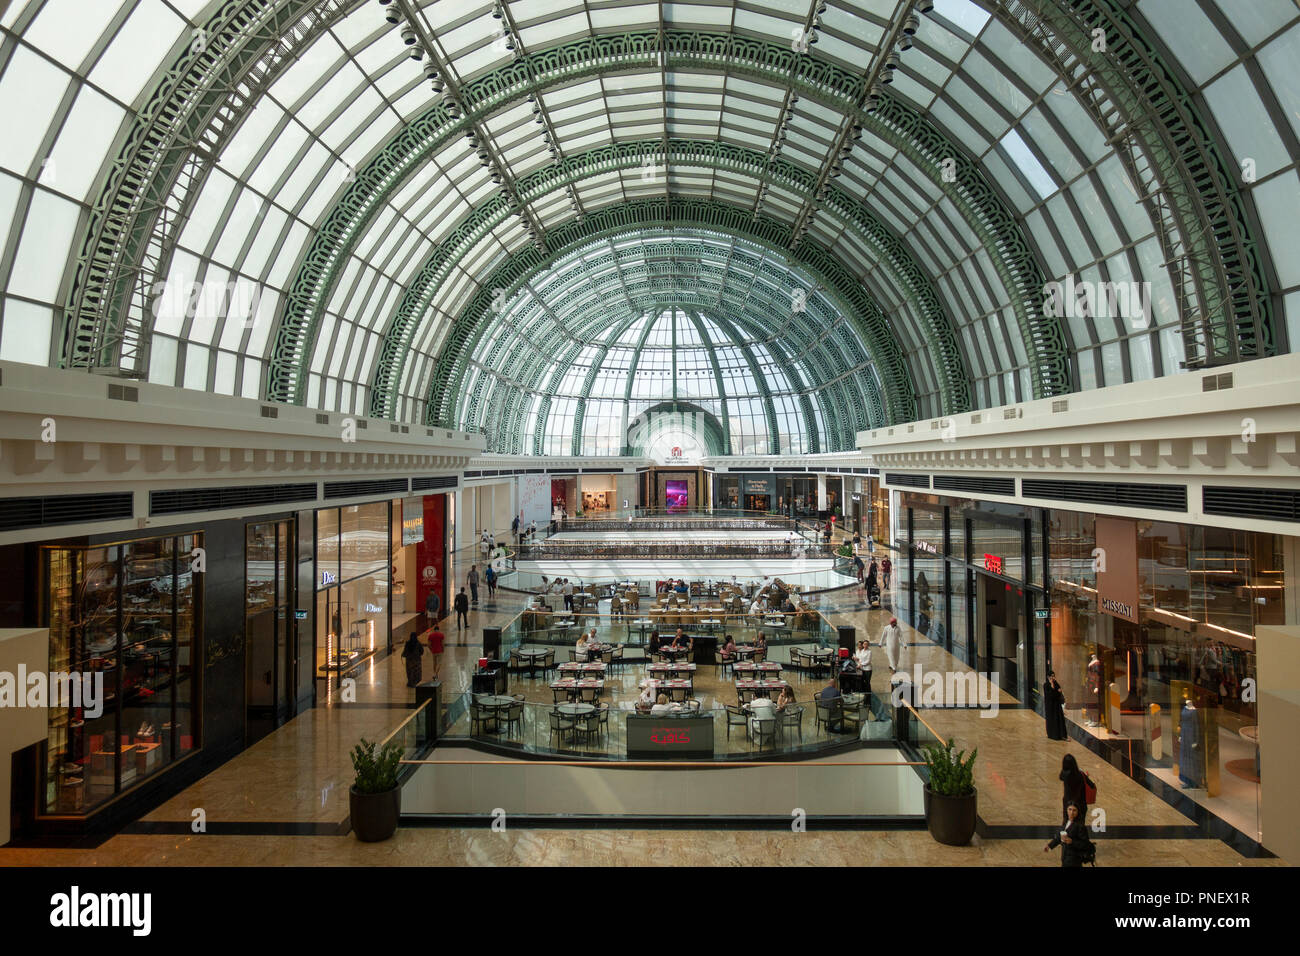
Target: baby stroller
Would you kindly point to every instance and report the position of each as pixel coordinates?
(873, 596)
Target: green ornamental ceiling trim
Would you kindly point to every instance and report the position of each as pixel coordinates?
(692, 282)
(475, 319)
(162, 162)
(823, 83)
(1168, 151)
(936, 327)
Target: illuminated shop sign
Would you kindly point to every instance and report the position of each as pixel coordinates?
(327, 578)
(925, 546)
(993, 563)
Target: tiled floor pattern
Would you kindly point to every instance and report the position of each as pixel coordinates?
(300, 774)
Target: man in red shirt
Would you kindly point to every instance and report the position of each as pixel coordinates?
(436, 640)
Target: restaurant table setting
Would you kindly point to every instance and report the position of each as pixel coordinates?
(573, 685)
(577, 667)
(764, 687)
(767, 667)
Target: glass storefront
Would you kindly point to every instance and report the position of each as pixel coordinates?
(1148, 625)
(123, 621)
(270, 629)
(790, 495)
(353, 577)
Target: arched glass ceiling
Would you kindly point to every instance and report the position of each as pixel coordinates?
(624, 324)
(290, 159)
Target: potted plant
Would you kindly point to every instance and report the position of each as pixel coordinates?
(375, 799)
(950, 795)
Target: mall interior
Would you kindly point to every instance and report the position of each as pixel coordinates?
(718, 332)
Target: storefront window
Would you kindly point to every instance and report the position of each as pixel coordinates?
(122, 625)
(1167, 690)
(352, 607)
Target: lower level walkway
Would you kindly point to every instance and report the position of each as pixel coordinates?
(284, 801)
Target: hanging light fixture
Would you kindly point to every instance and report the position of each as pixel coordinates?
(408, 35)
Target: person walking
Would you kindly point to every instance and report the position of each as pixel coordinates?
(886, 569)
(1054, 708)
(871, 547)
(1074, 788)
(514, 528)
(461, 604)
(891, 639)
(437, 641)
(567, 591)
(490, 575)
(413, 653)
(1076, 845)
(432, 607)
(858, 569)
(472, 580)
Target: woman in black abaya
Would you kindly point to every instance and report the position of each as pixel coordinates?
(1054, 708)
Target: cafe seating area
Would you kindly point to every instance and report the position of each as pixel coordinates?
(565, 701)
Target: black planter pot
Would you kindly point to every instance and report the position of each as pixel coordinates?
(374, 815)
(951, 819)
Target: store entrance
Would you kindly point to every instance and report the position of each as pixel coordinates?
(999, 630)
(758, 502)
(270, 672)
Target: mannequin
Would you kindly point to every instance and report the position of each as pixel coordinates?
(1190, 755)
(1093, 702)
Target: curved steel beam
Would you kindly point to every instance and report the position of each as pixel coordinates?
(843, 290)
(129, 238)
(937, 329)
(824, 83)
(645, 289)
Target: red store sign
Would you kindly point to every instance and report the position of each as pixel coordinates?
(993, 563)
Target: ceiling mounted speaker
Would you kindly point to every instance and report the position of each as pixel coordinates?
(437, 84)
(431, 69)
(911, 25)
(416, 53)
(393, 15)
(408, 35)
(925, 6)
(497, 12)
(905, 42)
(892, 61)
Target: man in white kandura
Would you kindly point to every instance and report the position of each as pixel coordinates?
(891, 639)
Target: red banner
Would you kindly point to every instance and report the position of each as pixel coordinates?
(431, 553)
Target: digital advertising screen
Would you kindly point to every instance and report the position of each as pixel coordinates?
(677, 495)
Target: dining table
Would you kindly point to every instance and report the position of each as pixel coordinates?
(533, 655)
(762, 688)
(579, 667)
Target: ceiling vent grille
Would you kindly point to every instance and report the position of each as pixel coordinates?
(1264, 504)
(433, 482)
(907, 481)
(1120, 494)
(45, 511)
(375, 486)
(1216, 383)
(971, 483)
(123, 393)
(193, 500)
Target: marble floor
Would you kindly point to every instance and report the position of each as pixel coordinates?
(293, 786)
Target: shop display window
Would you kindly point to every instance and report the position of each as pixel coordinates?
(352, 606)
(123, 620)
